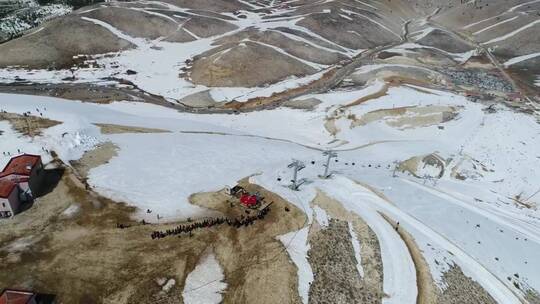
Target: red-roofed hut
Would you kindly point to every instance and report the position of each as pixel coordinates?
(19, 179)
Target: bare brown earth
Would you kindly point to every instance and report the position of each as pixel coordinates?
(380, 93)
(303, 104)
(68, 244)
(28, 125)
(206, 27)
(228, 67)
(445, 41)
(341, 30)
(154, 26)
(354, 25)
(277, 98)
(291, 46)
(257, 267)
(67, 252)
(416, 74)
(408, 117)
(401, 117)
(366, 290)
(198, 100)
(86, 92)
(215, 5)
(148, 25)
(332, 259)
(461, 172)
(119, 129)
(53, 48)
(462, 289)
(100, 155)
(412, 164)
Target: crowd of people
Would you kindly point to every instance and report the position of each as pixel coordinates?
(243, 221)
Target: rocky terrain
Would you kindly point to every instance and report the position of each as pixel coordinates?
(18, 16)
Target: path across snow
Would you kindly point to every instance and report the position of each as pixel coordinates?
(365, 203)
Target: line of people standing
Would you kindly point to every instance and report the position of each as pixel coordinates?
(207, 223)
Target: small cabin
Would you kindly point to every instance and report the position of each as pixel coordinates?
(9, 198)
(19, 180)
(237, 191)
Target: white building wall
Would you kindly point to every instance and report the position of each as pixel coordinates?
(12, 203)
(4, 204)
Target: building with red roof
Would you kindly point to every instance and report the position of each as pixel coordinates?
(20, 177)
(12, 296)
(21, 165)
(9, 198)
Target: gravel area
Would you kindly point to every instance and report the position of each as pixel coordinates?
(479, 78)
(334, 267)
(462, 289)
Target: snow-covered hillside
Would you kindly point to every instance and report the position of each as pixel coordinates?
(473, 221)
(145, 112)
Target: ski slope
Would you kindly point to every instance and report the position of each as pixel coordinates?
(441, 215)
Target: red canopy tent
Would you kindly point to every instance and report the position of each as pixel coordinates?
(248, 200)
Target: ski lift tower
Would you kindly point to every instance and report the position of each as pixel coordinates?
(297, 166)
(329, 154)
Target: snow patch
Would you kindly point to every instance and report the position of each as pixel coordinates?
(519, 59)
(204, 285)
(357, 250)
(297, 246)
(512, 33)
(169, 285)
(321, 216)
(72, 210)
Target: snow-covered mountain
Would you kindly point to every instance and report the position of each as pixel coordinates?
(155, 108)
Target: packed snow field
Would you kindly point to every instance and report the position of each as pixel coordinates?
(430, 107)
(474, 222)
